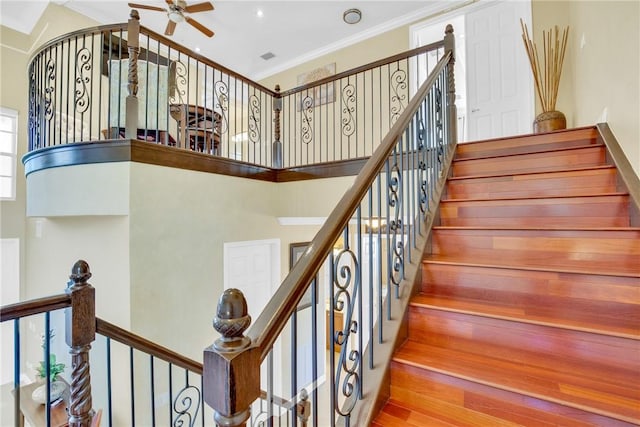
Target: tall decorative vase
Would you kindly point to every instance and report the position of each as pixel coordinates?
(549, 121)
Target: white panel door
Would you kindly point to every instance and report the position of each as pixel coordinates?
(251, 267)
(499, 81)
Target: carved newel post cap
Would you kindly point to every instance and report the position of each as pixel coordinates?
(80, 272)
(231, 320)
(448, 29)
(134, 14)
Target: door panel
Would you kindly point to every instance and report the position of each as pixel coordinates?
(501, 90)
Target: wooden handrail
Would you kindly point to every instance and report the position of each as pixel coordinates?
(83, 32)
(367, 67)
(204, 59)
(125, 337)
(627, 174)
(267, 327)
(34, 306)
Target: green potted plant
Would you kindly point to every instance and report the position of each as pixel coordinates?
(57, 387)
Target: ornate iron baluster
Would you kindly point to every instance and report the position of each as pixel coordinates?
(345, 263)
(307, 120)
(348, 110)
(396, 226)
(222, 104)
(49, 98)
(254, 119)
(83, 77)
(186, 405)
(398, 83)
(177, 82)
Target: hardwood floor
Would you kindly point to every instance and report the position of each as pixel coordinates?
(529, 311)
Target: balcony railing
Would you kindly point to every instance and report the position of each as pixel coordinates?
(126, 81)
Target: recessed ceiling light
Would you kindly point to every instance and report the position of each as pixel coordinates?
(197, 49)
(352, 16)
(259, 13)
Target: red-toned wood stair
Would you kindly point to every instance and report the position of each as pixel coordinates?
(529, 312)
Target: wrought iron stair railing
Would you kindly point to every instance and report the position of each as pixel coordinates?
(125, 81)
(115, 377)
(372, 241)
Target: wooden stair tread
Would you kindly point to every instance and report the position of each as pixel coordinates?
(485, 366)
(415, 390)
(560, 198)
(577, 182)
(619, 326)
(526, 151)
(516, 174)
(567, 137)
(580, 267)
(544, 161)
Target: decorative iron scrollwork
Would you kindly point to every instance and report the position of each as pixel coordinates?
(254, 119)
(186, 405)
(83, 66)
(222, 104)
(346, 282)
(348, 110)
(396, 226)
(177, 82)
(423, 196)
(398, 83)
(33, 109)
(49, 99)
(307, 119)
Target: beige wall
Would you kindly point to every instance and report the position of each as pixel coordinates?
(606, 74)
(15, 50)
(381, 46)
(600, 80)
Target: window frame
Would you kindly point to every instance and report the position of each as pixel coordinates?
(13, 155)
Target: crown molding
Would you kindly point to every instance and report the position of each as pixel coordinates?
(433, 8)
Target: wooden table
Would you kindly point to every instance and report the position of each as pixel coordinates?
(198, 127)
(35, 413)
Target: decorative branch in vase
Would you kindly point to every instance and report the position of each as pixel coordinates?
(547, 76)
(56, 388)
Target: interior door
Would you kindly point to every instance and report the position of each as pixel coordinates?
(499, 82)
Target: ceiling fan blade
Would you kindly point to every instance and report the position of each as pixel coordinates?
(171, 26)
(207, 32)
(200, 7)
(144, 6)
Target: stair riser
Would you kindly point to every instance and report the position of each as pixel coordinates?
(417, 388)
(601, 211)
(458, 330)
(562, 249)
(537, 162)
(527, 144)
(558, 184)
(496, 283)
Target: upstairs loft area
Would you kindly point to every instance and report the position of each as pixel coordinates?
(78, 109)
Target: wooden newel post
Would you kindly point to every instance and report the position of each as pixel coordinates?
(452, 112)
(231, 374)
(80, 325)
(277, 144)
(133, 45)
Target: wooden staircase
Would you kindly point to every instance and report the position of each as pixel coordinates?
(529, 312)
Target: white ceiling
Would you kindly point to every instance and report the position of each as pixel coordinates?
(295, 31)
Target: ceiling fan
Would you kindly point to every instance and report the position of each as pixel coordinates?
(176, 13)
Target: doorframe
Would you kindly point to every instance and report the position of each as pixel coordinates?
(465, 9)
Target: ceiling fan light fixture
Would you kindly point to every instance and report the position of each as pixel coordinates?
(175, 16)
(352, 16)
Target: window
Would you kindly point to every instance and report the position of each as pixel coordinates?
(8, 153)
